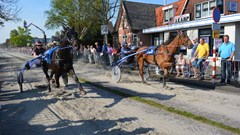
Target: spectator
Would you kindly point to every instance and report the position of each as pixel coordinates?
(226, 52)
(91, 55)
(191, 61)
(200, 55)
(85, 53)
(181, 63)
(110, 54)
(98, 51)
(104, 54)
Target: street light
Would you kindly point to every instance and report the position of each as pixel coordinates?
(44, 35)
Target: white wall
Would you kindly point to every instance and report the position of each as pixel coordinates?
(237, 42)
(230, 29)
(166, 35)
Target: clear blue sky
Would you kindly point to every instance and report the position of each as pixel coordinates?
(33, 11)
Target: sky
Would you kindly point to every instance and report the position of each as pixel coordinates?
(33, 12)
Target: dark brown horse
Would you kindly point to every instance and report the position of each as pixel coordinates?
(164, 55)
(62, 60)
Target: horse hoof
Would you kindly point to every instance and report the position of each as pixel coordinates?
(83, 92)
(167, 87)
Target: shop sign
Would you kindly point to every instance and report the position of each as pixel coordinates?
(182, 18)
(232, 6)
(215, 33)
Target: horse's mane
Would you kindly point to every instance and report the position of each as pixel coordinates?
(169, 40)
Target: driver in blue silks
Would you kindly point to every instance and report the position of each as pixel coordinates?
(125, 50)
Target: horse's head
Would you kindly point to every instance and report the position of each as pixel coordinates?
(184, 40)
(69, 36)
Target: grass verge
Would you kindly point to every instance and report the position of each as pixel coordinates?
(166, 108)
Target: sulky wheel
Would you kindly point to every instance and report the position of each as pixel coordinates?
(116, 74)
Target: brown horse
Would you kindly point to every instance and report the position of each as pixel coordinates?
(164, 55)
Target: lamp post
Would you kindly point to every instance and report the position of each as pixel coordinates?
(44, 34)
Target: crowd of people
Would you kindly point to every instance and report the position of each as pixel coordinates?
(106, 54)
(200, 54)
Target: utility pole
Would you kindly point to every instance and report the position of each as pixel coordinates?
(105, 19)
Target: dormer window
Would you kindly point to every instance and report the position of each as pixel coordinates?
(168, 15)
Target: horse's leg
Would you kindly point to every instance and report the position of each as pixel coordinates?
(65, 79)
(140, 65)
(164, 78)
(72, 73)
(57, 75)
(45, 70)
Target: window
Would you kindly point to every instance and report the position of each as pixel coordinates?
(124, 38)
(212, 5)
(135, 39)
(124, 22)
(219, 4)
(198, 11)
(205, 9)
(168, 15)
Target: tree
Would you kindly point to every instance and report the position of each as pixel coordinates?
(8, 11)
(77, 13)
(106, 11)
(20, 37)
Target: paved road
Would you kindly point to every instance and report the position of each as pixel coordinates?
(100, 112)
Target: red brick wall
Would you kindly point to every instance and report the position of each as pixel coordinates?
(190, 7)
(127, 31)
(160, 13)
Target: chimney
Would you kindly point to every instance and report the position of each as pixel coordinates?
(165, 2)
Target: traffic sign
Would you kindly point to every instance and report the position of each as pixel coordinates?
(216, 26)
(216, 15)
(215, 33)
(104, 29)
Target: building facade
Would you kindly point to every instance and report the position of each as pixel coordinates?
(195, 18)
(132, 18)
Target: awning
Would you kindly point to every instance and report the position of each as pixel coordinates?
(192, 24)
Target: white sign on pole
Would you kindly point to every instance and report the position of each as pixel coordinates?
(104, 29)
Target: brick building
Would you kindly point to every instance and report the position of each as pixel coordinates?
(195, 18)
(132, 18)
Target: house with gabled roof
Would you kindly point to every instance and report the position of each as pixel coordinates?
(195, 17)
(132, 18)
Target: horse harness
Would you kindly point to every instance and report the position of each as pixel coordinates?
(62, 48)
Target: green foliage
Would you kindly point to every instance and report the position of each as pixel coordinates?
(8, 11)
(77, 13)
(20, 37)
